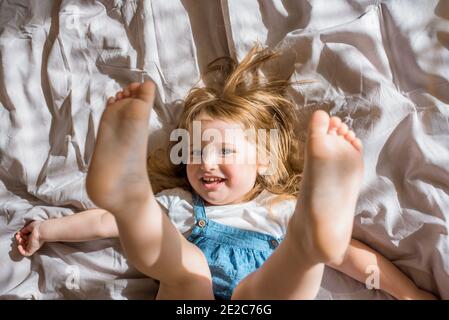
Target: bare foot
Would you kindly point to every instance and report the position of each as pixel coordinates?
(333, 174)
(117, 172)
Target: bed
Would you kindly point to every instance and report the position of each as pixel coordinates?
(382, 66)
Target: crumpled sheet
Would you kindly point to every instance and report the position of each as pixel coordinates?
(382, 66)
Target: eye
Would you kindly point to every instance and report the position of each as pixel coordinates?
(226, 151)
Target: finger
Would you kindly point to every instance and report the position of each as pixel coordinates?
(19, 238)
(22, 251)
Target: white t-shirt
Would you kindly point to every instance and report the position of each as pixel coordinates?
(253, 215)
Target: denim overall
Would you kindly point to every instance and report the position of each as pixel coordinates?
(231, 253)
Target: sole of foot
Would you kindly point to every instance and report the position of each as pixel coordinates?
(117, 172)
(333, 173)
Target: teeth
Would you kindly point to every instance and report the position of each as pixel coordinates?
(211, 179)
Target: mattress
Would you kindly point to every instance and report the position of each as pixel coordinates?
(382, 66)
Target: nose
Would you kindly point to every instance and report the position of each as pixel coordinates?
(209, 160)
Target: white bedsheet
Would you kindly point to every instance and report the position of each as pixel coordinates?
(383, 66)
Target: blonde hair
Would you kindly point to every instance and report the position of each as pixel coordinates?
(242, 93)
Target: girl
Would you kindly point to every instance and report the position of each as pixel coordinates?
(233, 229)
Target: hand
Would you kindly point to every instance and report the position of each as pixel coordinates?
(28, 239)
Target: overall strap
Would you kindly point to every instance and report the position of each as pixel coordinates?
(198, 208)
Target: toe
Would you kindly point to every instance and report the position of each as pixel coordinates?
(126, 93)
(334, 124)
(119, 95)
(350, 136)
(111, 100)
(357, 143)
(133, 88)
(343, 129)
(146, 91)
(319, 124)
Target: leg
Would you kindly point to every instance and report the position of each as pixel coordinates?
(317, 233)
(118, 182)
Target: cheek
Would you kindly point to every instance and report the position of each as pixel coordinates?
(241, 175)
(191, 171)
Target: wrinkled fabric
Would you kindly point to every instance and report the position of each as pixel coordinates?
(382, 66)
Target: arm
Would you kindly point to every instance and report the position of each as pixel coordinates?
(359, 258)
(83, 226)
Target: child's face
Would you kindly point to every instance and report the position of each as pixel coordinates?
(230, 157)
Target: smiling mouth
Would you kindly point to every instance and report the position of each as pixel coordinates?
(212, 183)
(212, 180)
